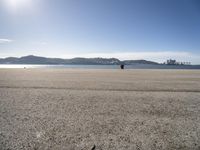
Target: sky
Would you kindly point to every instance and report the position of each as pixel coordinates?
(126, 29)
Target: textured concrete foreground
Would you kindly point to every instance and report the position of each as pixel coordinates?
(100, 109)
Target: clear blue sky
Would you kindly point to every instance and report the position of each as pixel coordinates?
(127, 29)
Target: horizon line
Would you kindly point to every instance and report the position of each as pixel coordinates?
(156, 56)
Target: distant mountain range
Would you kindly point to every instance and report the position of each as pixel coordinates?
(74, 61)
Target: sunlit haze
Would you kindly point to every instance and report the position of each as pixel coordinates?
(16, 5)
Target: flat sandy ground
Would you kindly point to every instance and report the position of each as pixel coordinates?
(76, 109)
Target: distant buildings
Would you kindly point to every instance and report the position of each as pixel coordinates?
(171, 62)
(174, 62)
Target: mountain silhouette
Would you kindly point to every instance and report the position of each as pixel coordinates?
(31, 59)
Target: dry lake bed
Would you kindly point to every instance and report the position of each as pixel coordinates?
(85, 109)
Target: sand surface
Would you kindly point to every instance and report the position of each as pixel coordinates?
(76, 109)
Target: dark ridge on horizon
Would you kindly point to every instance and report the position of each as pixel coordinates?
(31, 59)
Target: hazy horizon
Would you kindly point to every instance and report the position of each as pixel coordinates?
(94, 56)
(154, 30)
